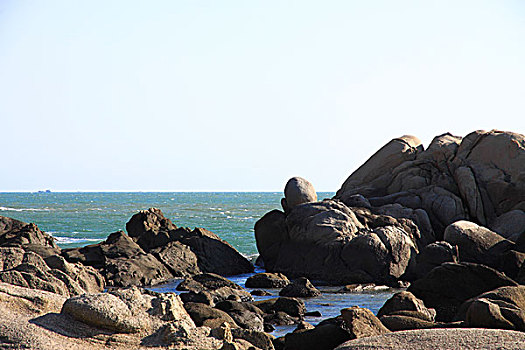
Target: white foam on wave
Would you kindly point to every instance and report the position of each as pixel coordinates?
(69, 240)
(25, 209)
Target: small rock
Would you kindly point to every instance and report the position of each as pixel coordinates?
(267, 280)
(362, 322)
(260, 293)
(300, 287)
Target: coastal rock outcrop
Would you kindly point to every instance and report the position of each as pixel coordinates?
(332, 242)
(448, 286)
(479, 178)
(217, 287)
(466, 191)
(502, 308)
(28, 269)
(353, 323)
(15, 233)
(156, 251)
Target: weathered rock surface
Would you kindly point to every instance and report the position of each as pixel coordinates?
(446, 287)
(297, 191)
(429, 339)
(300, 287)
(472, 240)
(267, 280)
(325, 336)
(121, 261)
(28, 269)
(156, 251)
(502, 308)
(245, 314)
(406, 301)
(205, 315)
(399, 202)
(353, 323)
(434, 255)
(361, 322)
(32, 319)
(477, 178)
(218, 287)
(329, 241)
(17, 233)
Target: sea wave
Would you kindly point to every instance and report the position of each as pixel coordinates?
(25, 209)
(70, 240)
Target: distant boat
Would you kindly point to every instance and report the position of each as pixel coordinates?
(46, 191)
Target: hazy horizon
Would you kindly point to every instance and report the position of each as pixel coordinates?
(236, 96)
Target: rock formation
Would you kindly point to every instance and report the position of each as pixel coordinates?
(156, 251)
(407, 210)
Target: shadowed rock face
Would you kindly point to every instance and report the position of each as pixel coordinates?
(332, 242)
(403, 199)
(156, 251)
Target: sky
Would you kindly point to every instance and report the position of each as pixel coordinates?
(242, 95)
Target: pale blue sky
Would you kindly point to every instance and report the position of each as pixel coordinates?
(242, 95)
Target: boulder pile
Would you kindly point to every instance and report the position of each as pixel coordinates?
(406, 211)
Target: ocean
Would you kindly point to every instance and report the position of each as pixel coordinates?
(80, 218)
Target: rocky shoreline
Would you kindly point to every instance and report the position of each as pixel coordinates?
(446, 223)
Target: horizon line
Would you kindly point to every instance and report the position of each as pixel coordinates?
(148, 191)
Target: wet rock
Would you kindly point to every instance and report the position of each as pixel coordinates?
(217, 286)
(245, 314)
(301, 288)
(406, 301)
(325, 336)
(267, 280)
(204, 315)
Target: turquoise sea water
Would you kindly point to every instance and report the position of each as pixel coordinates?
(77, 219)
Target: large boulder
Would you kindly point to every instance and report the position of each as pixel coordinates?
(502, 308)
(510, 224)
(459, 338)
(205, 315)
(473, 241)
(353, 323)
(434, 255)
(332, 242)
(297, 191)
(267, 280)
(30, 270)
(478, 178)
(131, 310)
(406, 301)
(156, 251)
(121, 261)
(150, 228)
(301, 288)
(218, 287)
(447, 286)
(245, 314)
(17, 233)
